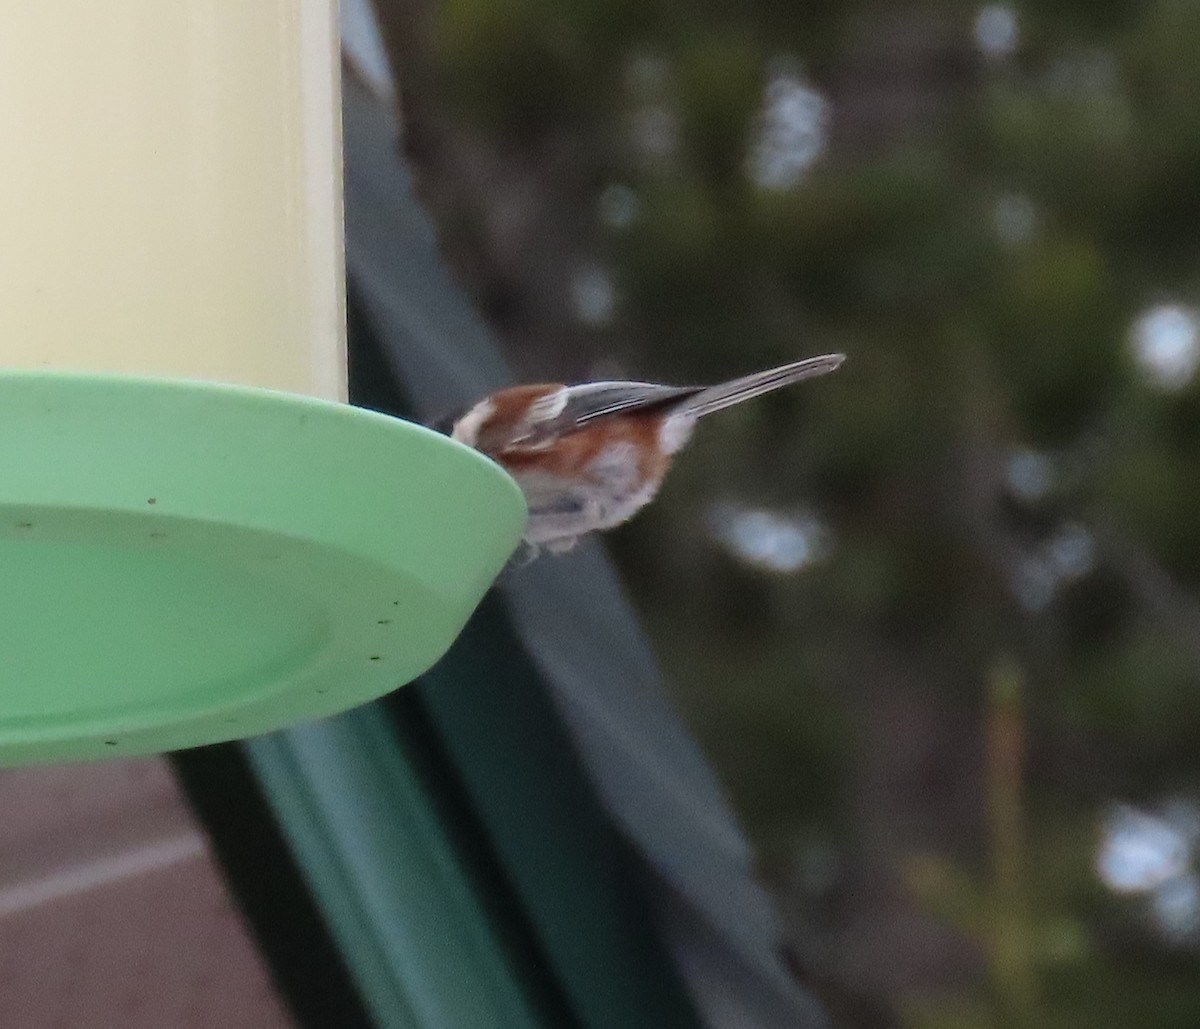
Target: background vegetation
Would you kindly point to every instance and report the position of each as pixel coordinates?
(934, 618)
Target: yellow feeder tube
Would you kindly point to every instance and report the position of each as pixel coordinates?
(199, 539)
(171, 197)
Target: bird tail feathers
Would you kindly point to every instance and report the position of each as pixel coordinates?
(726, 394)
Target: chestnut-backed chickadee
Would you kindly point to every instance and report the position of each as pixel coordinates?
(588, 457)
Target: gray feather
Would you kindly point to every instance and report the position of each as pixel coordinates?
(599, 399)
(735, 391)
(592, 400)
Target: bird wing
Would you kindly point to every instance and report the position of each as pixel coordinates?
(561, 410)
(569, 407)
(592, 400)
(598, 399)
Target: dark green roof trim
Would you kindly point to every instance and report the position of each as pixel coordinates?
(571, 870)
(386, 875)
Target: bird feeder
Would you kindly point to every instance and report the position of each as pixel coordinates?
(199, 539)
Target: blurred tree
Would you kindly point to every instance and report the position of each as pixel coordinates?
(992, 210)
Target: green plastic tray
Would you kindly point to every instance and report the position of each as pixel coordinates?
(183, 563)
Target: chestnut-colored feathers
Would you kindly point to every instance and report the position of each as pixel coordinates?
(588, 457)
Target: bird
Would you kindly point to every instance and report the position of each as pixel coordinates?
(588, 457)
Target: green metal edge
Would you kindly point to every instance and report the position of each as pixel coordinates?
(385, 874)
(573, 873)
